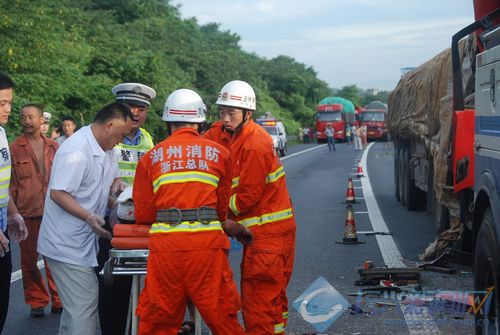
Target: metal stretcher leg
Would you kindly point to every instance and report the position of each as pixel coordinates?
(136, 280)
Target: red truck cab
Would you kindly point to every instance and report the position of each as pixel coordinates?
(330, 114)
(375, 122)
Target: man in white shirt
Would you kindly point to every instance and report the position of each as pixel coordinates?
(84, 173)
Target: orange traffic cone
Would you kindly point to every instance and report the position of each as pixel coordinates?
(360, 171)
(350, 236)
(350, 198)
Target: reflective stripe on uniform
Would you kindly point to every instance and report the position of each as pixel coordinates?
(185, 177)
(236, 182)
(233, 206)
(185, 226)
(127, 163)
(285, 315)
(268, 218)
(4, 185)
(274, 176)
(270, 178)
(279, 328)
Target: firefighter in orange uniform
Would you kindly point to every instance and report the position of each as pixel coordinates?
(260, 201)
(182, 186)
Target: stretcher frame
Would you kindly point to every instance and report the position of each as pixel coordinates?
(133, 263)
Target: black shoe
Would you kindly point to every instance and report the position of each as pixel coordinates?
(37, 312)
(56, 310)
(187, 328)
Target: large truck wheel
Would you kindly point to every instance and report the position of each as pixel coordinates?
(396, 174)
(486, 276)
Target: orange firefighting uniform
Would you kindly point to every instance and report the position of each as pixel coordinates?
(186, 260)
(260, 200)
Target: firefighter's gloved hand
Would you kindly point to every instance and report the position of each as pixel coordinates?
(17, 227)
(4, 244)
(96, 222)
(239, 231)
(245, 236)
(118, 187)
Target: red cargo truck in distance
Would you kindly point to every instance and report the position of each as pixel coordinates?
(333, 114)
(375, 122)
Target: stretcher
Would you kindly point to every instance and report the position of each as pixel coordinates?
(129, 257)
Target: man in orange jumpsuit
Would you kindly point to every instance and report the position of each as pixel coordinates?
(260, 201)
(182, 186)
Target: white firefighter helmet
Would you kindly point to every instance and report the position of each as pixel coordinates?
(184, 106)
(237, 94)
(125, 210)
(47, 116)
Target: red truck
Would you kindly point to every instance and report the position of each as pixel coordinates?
(373, 116)
(338, 114)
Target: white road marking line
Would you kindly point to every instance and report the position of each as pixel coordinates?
(15, 276)
(304, 151)
(423, 323)
(360, 212)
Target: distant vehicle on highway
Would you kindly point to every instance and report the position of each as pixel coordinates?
(337, 111)
(373, 116)
(277, 131)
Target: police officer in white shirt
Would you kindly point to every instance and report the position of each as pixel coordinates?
(83, 174)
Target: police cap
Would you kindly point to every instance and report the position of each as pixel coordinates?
(134, 94)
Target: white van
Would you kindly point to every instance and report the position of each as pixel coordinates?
(277, 131)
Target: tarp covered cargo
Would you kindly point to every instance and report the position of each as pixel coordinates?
(420, 108)
(348, 106)
(376, 105)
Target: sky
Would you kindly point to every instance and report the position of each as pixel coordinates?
(362, 42)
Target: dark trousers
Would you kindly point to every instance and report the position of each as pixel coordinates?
(5, 273)
(113, 300)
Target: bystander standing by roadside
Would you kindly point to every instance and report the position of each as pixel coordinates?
(32, 157)
(68, 127)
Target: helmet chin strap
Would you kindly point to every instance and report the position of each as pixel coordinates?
(238, 127)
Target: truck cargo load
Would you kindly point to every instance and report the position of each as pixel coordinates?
(419, 120)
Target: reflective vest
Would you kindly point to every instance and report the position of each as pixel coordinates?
(5, 166)
(184, 171)
(128, 156)
(259, 195)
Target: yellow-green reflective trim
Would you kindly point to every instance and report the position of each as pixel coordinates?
(185, 226)
(279, 328)
(274, 176)
(4, 196)
(236, 182)
(285, 315)
(270, 178)
(5, 168)
(5, 179)
(233, 206)
(4, 186)
(268, 218)
(184, 177)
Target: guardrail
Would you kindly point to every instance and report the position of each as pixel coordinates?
(292, 138)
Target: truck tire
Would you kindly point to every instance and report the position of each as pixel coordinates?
(486, 275)
(396, 174)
